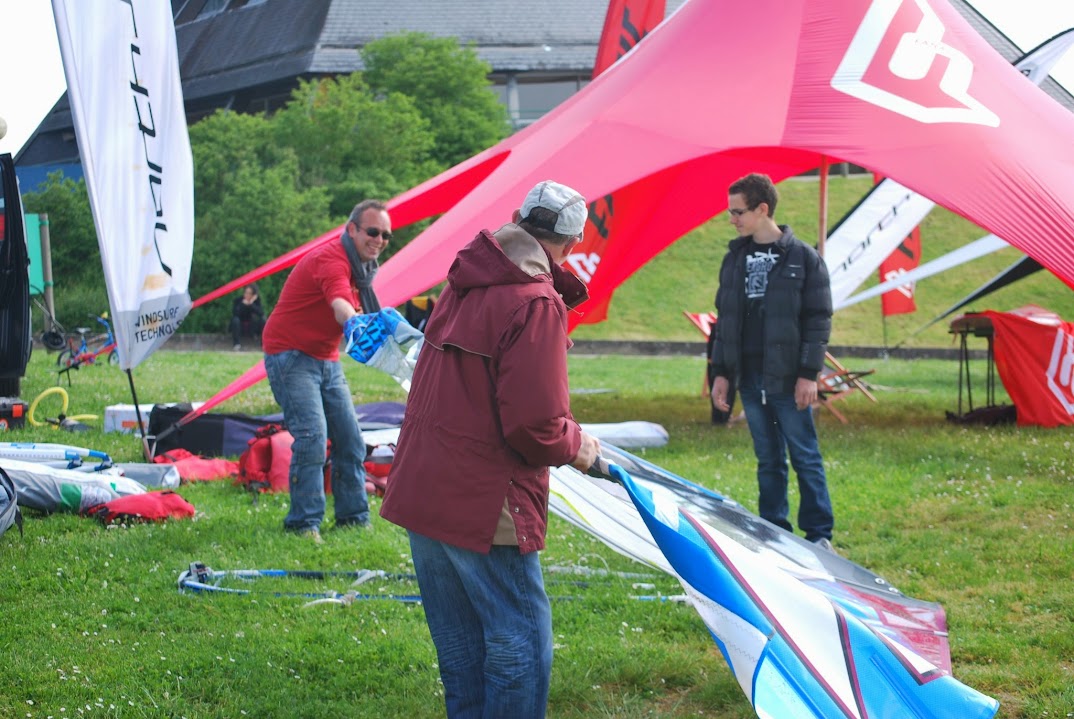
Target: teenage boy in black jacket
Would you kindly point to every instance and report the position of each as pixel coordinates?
(774, 306)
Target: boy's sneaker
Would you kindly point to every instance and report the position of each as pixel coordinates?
(825, 543)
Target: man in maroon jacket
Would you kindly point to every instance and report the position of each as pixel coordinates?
(488, 414)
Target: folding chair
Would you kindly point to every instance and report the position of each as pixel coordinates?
(835, 382)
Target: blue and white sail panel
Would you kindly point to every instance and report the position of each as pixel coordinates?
(122, 71)
(604, 510)
(384, 340)
(817, 660)
(795, 623)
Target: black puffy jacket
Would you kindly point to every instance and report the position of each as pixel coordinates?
(797, 307)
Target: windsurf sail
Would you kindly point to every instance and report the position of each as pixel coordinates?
(575, 495)
(384, 340)
(805, 637)
(122, 71)
(978, 248)
(869, 233)
(1019, 270)
(49, 489)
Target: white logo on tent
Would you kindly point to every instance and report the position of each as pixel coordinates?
(912, 60)
(584, 265)
(1061, 370)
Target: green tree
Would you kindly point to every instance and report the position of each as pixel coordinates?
(353, 144)
(251, 207)
(73, 238)
(77, 275)
(448, 83)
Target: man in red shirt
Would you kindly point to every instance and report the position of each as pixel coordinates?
(488, 413)
(301, 342)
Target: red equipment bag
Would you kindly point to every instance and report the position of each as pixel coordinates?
(378, 463)
(193, 467)
(148, 507)
(266, 464)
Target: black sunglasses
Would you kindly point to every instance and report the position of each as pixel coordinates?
(375, 232)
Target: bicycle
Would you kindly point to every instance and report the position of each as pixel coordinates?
(85, 350)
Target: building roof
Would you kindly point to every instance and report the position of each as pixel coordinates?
(279, 40)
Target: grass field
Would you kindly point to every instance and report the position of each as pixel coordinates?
(975, 518)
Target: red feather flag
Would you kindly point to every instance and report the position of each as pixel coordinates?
(907, 256)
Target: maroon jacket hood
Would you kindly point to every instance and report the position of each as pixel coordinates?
(511, 256)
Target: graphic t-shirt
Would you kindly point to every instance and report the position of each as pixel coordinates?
(759, 262)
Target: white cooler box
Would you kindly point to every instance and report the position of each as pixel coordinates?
(122, 417)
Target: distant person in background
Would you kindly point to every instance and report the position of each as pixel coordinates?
(417, 310)
(247, 316)
(320, 302)
(774, 306)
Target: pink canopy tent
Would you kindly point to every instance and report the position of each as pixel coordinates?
(905, 88)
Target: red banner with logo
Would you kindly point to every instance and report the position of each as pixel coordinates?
(907, 256)
(626, 23)
(1036, 365)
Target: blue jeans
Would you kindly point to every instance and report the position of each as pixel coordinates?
(491, 622)
(317, 405)
(779, 427)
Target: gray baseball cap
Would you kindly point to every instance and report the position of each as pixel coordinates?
(569, 206)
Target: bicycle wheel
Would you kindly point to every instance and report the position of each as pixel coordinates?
(53, 341)
(113, 358)
(64, 358)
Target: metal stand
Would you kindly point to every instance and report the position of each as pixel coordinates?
(978, 326)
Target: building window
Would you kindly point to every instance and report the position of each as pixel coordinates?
(537, 98)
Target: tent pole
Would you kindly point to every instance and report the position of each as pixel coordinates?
(46, 271)
(822, 211)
